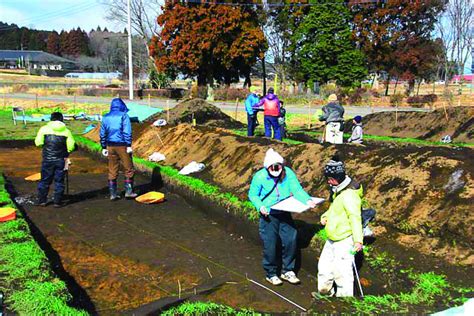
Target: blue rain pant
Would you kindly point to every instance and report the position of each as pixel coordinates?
(274, 229)
(271, 122)
(51, 170)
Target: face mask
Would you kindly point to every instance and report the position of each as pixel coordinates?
(275, 174)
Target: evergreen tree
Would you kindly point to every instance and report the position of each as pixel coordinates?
(53, 43)
(323, 45)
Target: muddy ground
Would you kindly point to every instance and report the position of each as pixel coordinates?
(126, 257)
(458, 122)
(424, 194)
(120, 256)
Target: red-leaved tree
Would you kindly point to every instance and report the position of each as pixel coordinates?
(209, 41)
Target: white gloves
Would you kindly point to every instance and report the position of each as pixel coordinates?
(129, 150)
(264, 211)
(105, 152)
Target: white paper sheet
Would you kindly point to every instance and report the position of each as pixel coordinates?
(293, 205)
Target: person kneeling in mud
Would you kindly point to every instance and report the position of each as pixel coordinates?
(270, 185)
(116, 142)
(344, 231)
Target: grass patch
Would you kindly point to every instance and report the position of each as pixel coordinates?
(206, 308)
(9, 131)
(30, 287)
(409, 140)
(429, 289)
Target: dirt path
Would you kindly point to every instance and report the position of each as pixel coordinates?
(123, 255)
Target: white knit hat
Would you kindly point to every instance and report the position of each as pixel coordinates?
(271, 158)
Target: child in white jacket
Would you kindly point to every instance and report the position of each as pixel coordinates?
(357, 133)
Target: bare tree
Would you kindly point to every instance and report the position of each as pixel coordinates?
(143, 16)
(460, 20)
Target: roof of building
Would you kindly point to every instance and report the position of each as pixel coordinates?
(32, 55)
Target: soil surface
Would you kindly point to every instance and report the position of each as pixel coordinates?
(124, 255)
(424, 193)
(204, 113)
(458, 122)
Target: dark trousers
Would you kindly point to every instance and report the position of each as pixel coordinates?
(271, 122)
(273, 229)
(251, 124)
(51, 170)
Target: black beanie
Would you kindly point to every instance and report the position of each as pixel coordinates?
(335, 169)
(57, 116)
(270, 90)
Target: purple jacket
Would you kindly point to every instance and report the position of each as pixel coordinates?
(271, 105)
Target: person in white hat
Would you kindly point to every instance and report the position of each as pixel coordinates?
(333, 116)
(270, 185)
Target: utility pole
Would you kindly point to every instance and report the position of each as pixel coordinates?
(130, 62)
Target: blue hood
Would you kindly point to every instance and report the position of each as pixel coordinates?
(117, 105)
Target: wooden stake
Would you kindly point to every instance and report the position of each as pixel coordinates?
(396, 115)
(168, 111)
(309, 115)
(36, 98)
(445, 112)
(149, 101)
(179, 289)
(74, 105)
(236, 107)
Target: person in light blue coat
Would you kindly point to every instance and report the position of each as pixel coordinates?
(270, 185)
(251, 101)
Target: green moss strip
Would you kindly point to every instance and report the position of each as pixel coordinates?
(206, 308)
(195, 185)
(26, 279)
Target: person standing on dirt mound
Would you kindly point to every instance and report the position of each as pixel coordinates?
(251, 101)
(57, 142)
(344, 230)
(357, 132)
(333, 115)
(271, 113)
(270, 185)
(116, 142)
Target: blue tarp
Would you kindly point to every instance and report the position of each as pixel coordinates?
(141, 112)
(137, 111)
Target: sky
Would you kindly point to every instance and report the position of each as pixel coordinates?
(56, 14)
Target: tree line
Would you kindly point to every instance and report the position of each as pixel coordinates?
(312, 41)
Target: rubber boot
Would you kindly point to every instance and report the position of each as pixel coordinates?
(129, 194)
(113, 190)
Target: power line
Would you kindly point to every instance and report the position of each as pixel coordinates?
(283, 4)
(60, 13)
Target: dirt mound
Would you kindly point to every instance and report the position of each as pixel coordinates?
(203, 112)
(458, 123)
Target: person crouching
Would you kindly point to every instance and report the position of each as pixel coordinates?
(344, 231)
(270, 185)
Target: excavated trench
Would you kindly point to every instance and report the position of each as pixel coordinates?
(126, 257)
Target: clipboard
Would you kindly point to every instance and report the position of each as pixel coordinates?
(292, 205)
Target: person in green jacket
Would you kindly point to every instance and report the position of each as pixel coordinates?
(270, 185)
(344, 231)
(57, 142)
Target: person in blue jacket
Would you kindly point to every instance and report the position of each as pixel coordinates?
(270, 185)
(251, 101)
(116, 142)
